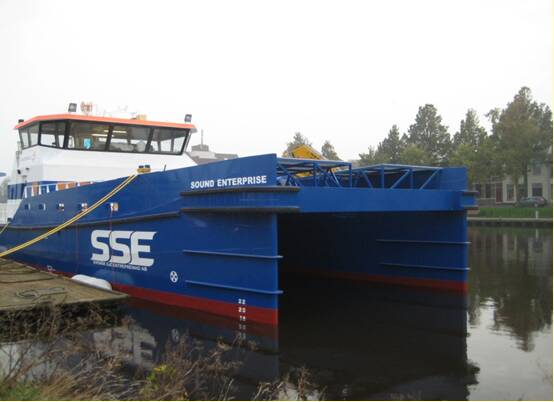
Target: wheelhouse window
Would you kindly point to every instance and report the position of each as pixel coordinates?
(52, 134)
(29, 136)
(168, 140)
(129, 138)
(91, 136)
(88, 136)
(24, 138)
(33, 135)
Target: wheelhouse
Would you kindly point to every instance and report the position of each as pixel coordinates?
(91, 133)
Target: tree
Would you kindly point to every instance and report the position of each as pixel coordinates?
(372, 157)
(474, 150)
(493, 115)
(522, 133)
(414, 155)
(297, 140)
(480, 162)
(392, 146)
(429, 135)
(328, 151)
(471, 133)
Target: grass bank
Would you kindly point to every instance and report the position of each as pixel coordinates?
(514, 212)
(58, 357)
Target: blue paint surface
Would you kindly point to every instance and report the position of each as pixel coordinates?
(357, 229)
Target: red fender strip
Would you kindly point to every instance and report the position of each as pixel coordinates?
(260, 315)
(438, 284)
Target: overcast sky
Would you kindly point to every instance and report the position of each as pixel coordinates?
(253, 73)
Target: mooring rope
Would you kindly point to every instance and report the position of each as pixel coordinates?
(4, 228)
(34, 294)
(81, 214)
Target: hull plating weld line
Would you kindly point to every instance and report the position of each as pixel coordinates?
(424, 242)
(391, 264)
(238, 255)
(239, 288)
(235, 210)
(117, 221)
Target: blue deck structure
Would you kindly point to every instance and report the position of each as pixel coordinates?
(214, 237)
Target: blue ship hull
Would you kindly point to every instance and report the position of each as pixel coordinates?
(213, 237)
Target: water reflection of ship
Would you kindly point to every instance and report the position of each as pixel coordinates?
(376, 341)
(156, 327)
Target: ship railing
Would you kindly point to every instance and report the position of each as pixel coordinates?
(300, 172)
(34, 189)
(327, 173)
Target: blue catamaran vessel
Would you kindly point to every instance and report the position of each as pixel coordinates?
(215, 237)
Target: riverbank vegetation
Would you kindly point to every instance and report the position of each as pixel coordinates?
(60, 356)
(514, 212)
(521, 136)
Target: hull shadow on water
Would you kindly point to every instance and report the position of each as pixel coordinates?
(377, 342)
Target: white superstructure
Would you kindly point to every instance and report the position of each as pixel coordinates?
(38, 163)
(60, 151)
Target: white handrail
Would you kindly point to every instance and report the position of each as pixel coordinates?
(29, 189)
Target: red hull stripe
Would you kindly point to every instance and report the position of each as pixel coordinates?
(457, 286)
(166, 310)
(260, 315)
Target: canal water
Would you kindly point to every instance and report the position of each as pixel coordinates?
(360, 341)
(371, 342)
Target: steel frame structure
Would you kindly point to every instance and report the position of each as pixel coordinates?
(327, 173)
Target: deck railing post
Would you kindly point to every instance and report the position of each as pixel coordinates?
(366, 177)
(429, 179)
(335, 178)
(400, 179)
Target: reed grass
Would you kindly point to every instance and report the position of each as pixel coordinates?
(51, 358)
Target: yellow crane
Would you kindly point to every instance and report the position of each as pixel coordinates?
(306, 152)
